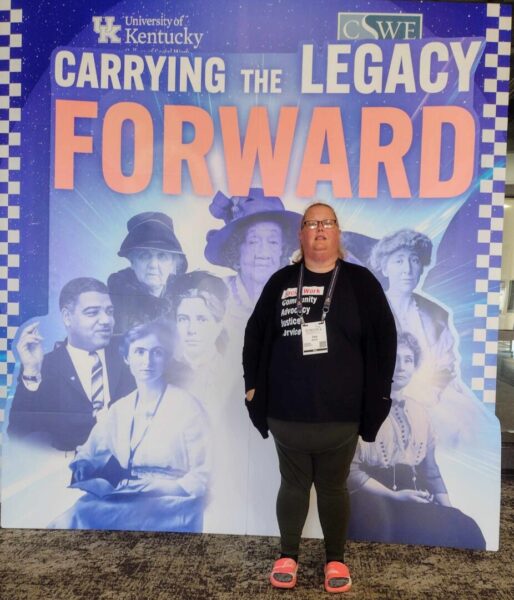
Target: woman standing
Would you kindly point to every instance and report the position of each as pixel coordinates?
(318, 360)
(158, 435)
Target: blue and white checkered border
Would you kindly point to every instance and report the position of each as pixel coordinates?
(10, 112)
(492, 195)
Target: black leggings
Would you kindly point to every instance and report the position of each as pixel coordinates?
(319, 453)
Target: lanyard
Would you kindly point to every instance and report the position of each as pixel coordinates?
(132, 449)
(328, 297)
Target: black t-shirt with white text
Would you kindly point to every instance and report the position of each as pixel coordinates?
(320, 387)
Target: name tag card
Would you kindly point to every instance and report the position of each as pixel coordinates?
(314, 338)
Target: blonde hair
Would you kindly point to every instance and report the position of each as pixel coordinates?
(298, 254)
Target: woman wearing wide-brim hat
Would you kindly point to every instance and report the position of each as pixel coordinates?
(257, 239)
(142, 292)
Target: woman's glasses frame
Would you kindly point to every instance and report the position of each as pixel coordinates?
(325, 223)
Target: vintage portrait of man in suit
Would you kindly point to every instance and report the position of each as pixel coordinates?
(62, 394)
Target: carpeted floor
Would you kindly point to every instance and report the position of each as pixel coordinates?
(88, 565)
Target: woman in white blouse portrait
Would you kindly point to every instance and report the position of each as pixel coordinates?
(158, 436)
(396, 488)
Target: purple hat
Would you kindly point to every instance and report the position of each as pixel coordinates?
(238, 213)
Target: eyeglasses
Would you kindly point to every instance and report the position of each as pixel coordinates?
(325, 223)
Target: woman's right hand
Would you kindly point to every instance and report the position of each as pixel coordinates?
(250, 394)
(413, 496)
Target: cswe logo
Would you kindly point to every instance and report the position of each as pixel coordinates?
(379, 26)
(106, 29)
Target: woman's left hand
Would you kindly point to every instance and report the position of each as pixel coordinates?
(413, 496)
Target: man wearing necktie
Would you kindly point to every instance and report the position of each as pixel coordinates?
(97, 384)
(62, 394)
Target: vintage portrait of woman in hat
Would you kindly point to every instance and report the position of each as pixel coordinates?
(462, 425)
(258, 238)
(400, 260)
(142, 291)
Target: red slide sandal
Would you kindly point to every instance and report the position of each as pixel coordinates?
(337, 577)
(283, 574)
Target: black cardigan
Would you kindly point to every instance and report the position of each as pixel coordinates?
(379, 347)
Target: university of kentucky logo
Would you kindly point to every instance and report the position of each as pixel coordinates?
(106, 29)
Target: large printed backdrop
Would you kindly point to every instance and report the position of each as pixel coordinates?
(195, 135)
